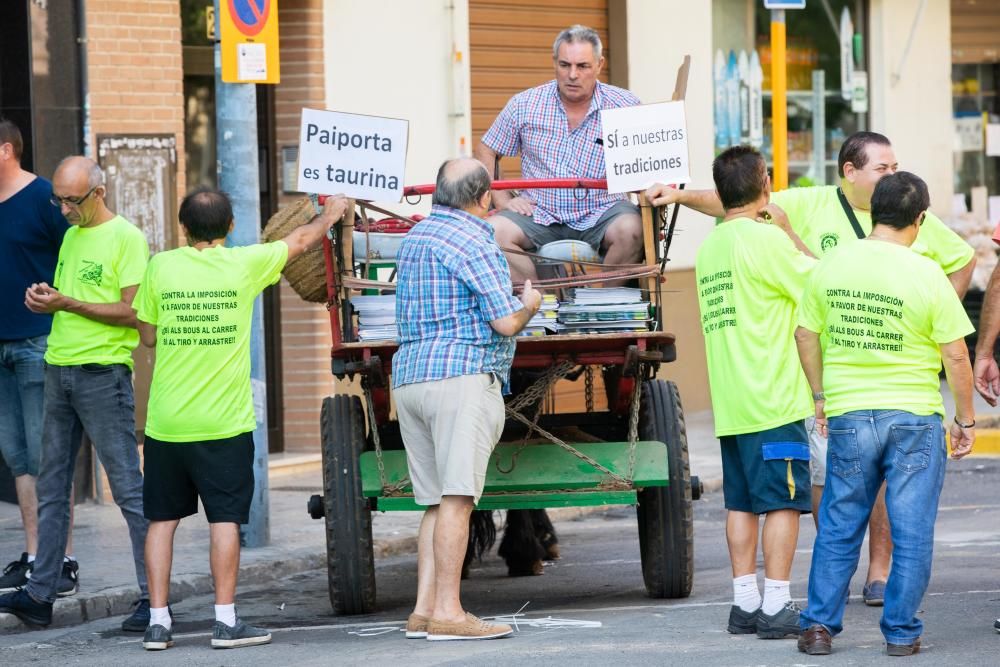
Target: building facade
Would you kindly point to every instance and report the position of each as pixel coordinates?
(145, 69)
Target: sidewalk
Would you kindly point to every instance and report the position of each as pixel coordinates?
(107, 575)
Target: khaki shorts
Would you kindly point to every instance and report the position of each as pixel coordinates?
(449, 430)
(817, 454)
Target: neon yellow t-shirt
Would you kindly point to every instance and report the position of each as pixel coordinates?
(201, 302)
(884, 310)
(750, 277)
(95, 263)
(818, 218)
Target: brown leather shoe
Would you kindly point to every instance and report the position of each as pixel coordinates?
(470, 628)
(902, 650)
(816, 640)
(416, 626)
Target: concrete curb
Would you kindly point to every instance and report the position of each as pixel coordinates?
(85, 607)
(987, 442)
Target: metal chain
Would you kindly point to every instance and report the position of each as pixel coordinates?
(387, 489)
(588, 381)
(542, 385)
(617, 481)
(536, 392)
(633, 426)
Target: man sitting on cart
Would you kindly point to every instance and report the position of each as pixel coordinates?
(556, 129)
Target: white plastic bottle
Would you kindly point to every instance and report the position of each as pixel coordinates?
(719, 89)
(756, 103)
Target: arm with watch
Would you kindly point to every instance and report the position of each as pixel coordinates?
(811, 358)
(955, 356)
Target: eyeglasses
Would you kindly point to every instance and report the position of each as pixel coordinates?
(71, 201)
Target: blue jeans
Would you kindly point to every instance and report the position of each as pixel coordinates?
(865, 448)
(97, 399)
(22, 382)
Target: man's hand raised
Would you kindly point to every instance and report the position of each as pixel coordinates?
(531, 298)
(663, 195)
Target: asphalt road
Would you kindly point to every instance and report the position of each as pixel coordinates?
(596, 587)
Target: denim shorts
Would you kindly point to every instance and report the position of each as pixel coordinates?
(22, 393)
(539, 235)
(767, 471)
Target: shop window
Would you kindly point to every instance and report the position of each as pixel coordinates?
(825, 61)
(975, 104)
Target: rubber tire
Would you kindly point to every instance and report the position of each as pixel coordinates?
(666, 520)
(350, 559)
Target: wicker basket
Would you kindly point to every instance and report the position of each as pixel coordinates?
(306, 273)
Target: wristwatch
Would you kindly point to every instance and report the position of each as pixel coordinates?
(819, 396)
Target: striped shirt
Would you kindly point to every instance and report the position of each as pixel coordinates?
(534, 125)
(451, 281)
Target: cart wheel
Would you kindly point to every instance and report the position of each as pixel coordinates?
(350, 561)
(666, 524)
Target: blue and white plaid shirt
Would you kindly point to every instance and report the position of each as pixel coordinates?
(534, 124)
(451, 281)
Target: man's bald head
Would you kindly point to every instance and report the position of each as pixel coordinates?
(461, 184)
(79, 184)
(77, 170)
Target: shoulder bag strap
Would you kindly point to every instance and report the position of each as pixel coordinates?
(849, 212)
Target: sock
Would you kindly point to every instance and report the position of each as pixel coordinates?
(746, 595)
(226, 613)
(160, 616)
(31, 558)
(775, 596)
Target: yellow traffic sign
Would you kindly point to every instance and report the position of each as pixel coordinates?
(249, 41)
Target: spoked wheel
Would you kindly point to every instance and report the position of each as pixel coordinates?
(350, 560)
(666, 522)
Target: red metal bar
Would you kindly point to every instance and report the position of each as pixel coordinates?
(518, 184)
(523, 184)
(331, 294)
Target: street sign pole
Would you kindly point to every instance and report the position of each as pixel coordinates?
(779, 101)
(236, 146)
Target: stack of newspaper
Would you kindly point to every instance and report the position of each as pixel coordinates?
(545, 320)
(604, 309)
(376, 317)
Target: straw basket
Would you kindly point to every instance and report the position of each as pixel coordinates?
(306, 273)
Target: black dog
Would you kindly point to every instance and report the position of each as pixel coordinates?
(528, 539)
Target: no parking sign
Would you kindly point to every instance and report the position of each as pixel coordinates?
(249, 41)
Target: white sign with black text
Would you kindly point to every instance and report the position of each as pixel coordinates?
(644, 145)
(363, 157)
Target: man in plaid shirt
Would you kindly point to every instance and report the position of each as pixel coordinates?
(556, 129)
(457, 318)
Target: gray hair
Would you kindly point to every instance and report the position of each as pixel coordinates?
(576, 34)
(461, 184)
(95, 175)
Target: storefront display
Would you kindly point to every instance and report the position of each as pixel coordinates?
(824, 54)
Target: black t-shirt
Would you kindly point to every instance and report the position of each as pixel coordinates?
(31, 231)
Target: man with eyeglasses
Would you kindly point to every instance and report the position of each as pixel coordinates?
(31, 230)
(88, 379)
(821, 218)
